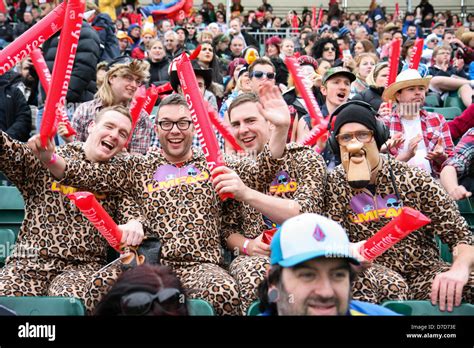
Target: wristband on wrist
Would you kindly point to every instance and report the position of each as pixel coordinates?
(53, 159)
(246, 243)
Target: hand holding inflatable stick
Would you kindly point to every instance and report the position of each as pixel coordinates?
(202, 124)
(408, 221)
(45, 78)
(97, 215)
(152, 94)
(64, 62)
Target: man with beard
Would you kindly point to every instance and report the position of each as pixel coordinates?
(312, 271)
(296, 188)
(174, 189)
(426, 138)
(369, 189)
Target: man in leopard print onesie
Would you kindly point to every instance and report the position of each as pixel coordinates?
(178, 200)
(364, 202)
(58, 251)
(300, 181)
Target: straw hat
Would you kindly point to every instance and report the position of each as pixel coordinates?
(407, 78)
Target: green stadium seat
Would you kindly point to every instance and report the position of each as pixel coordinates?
(466, 207)
(449, 113)
(11, 208)
(7, 240)
(432, 100)
(198, 307)
(253, 309)
(454, 101)
(444, 251)
(413, 308)
(43, 305)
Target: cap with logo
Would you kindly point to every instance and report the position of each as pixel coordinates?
(308, 236)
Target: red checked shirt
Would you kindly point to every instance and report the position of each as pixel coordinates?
(86, 112)
(433, 126)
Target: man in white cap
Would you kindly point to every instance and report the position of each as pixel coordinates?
(425, 138)
(311, 271)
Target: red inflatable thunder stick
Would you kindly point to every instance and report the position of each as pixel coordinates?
(393, 60)
(45, 79)
(408, 221)
(67, 47)
(321, 130)
(305, 90)
(136, 107)
(32, 38)
(416, 54)
(96, 214)
(152, 94)
(204, 131)
(223, 128)
(268, 235)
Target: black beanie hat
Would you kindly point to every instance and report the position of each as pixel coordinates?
(359, 114)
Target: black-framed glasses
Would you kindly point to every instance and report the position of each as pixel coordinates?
(330, 48)
(364, 136)
(168, 125)
(140, 302)
(260, 74)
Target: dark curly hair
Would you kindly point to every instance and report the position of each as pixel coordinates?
(318, 48)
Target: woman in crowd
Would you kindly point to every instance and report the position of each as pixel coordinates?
(365, 63)
(159, 63)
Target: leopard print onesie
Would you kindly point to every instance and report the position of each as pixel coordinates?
(183, 211)
(58, 251)
(301, 178)
(415, 258)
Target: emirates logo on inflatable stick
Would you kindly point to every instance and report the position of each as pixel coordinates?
(408, 221)
(62, 70)
(45, 79)
(96, 214)
(32, 38)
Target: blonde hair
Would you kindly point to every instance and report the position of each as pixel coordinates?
(358, 60)
(204, 33)
(137, 68)
(467, 37)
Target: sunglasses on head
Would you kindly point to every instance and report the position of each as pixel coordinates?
(261, 74)
(140, 302)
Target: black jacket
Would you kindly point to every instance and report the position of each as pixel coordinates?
(6, 32)
(15, 114)
(371, 95)
(82, 86)
(159, 72)
(105, 27)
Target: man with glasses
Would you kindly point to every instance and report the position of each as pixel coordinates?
(361, 196)
(121, 82)
(191, 41)
(174, 189)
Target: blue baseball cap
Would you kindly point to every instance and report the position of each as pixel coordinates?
(308, 236)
